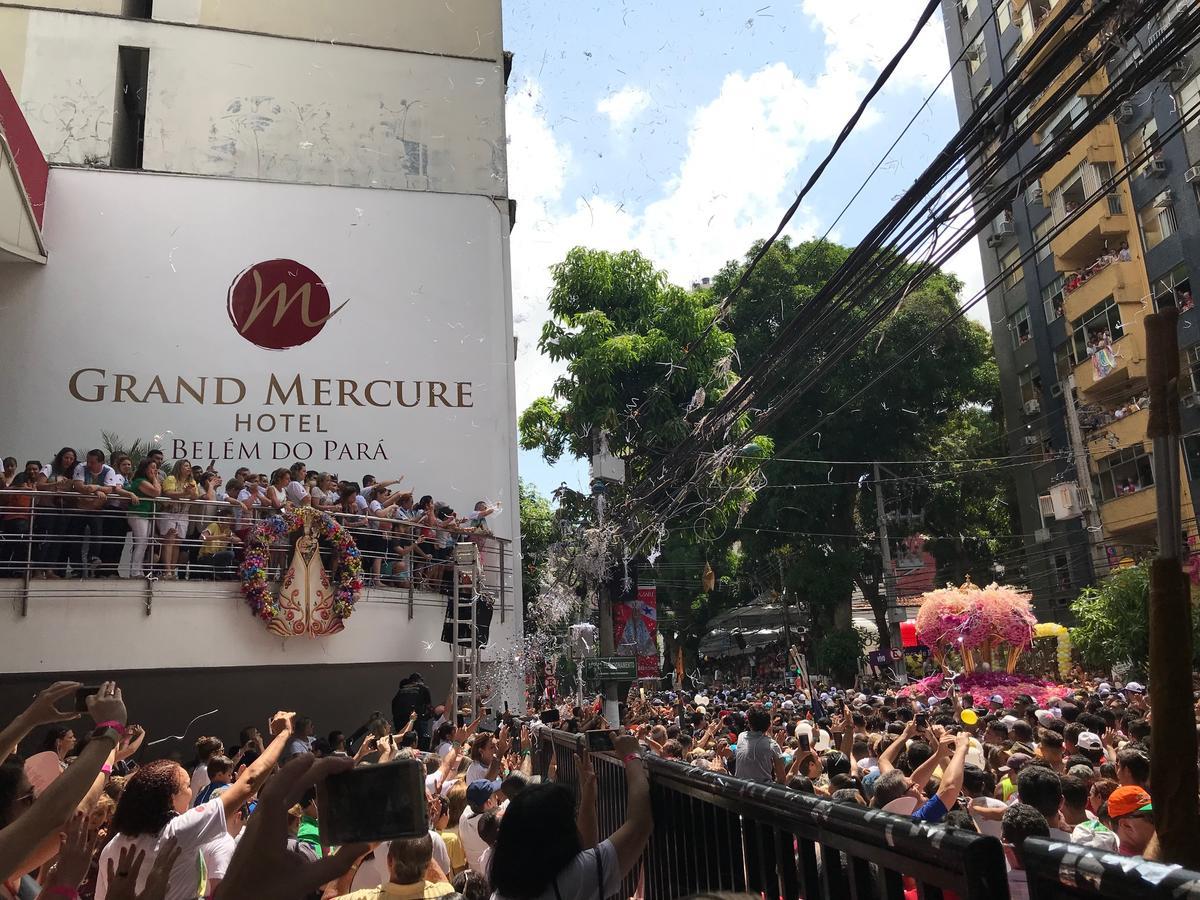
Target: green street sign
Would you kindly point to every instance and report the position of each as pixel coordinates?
(610, 668)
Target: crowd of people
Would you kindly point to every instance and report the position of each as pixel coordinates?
(99, 817)
(94, 815)
(78, 517)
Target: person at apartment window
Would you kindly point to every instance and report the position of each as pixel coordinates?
(18, 521)
(10, 471)
(62, 522)
(180, 487)
(141, 514)
(1128, 487)
(1123, 255)
(1184, 300)
(95, 480)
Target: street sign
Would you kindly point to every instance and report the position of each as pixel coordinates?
(611, 668)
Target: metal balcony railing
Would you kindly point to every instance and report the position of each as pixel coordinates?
(50, 535)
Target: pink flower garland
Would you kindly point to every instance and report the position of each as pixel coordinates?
(261, 600)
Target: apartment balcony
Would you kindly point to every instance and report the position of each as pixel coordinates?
(1100, 227)
(1129, 512)
(1108, 281)
(1129, 372)
(1123, 432)
(1099, 146)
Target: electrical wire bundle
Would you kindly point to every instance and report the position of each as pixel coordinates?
(963, 190)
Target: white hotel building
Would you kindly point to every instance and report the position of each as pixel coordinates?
(193, 145)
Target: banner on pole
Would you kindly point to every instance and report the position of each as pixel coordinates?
(635, 627)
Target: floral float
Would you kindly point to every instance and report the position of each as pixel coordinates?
(989, 628)
(1063, 655)
(309, 602)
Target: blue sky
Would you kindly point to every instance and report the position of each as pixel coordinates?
(684, 130)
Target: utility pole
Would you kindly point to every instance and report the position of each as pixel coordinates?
(787, 627)
(608, 644)
(1173, 738)
(889, 580)
(1083, 476)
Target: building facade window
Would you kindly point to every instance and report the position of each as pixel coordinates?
(982, 95)
(1088, 329)
(1062, 361)
(1010, 265)
(1126, 471)
(1173, 289)
(1192, 359)
(1157, 221)
(976, 54)
(1189, 97)
(1191, 455)
(1052, 298)
(1030, 385)
(1004, 15)
(1041, 232)
(1020, 326)
(1144, 139)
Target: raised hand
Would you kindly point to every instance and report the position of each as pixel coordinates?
(74, 857)
(262, 867)
(44, 708)
(106, 705)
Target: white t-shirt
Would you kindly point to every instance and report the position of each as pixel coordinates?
(296, 492)
(199, 779)
(476, 772)
(990, 827)
(473, 844)
(189, 877)
(580, 878)
(374, 871)
(217, 854)
(106, 477)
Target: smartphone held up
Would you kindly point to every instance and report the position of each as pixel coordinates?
(374, 803)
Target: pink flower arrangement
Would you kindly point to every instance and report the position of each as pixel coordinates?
(968, 617)
(348, 569)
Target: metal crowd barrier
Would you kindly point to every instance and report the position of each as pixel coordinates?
(715, 833)
(45, 540)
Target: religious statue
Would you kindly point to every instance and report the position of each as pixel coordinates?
(306, 595)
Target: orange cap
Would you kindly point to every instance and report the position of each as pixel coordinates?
(1128, 799)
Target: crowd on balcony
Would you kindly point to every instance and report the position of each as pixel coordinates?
(1076, 280)
(76, 516)
(1093, 417)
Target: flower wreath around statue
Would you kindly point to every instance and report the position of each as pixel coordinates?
(264, 602)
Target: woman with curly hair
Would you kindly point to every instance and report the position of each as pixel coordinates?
(156, 807)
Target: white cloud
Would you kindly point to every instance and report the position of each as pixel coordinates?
(624, 106)
(745, 152)
(862, 35)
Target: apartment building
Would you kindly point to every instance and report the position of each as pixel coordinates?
(1068, 324)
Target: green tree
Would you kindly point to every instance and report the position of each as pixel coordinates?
(937, 404)
(1113, 622)
(537, 533)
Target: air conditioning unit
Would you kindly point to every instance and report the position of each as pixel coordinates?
(1037, 195)
(1056, 390)
(1192, 401)
(1004, 227)
(1046, 506)
(1156, 166)
(1123, 113)
(1165, 200)
(1191, 174)
(1042, 535)
(1065, 498)
(971, 55)
(1032, 440)
(1032, 407)
(995, 240)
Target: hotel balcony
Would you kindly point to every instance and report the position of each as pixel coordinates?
(1100, 227)
(1109, 281)
(1128, 373)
